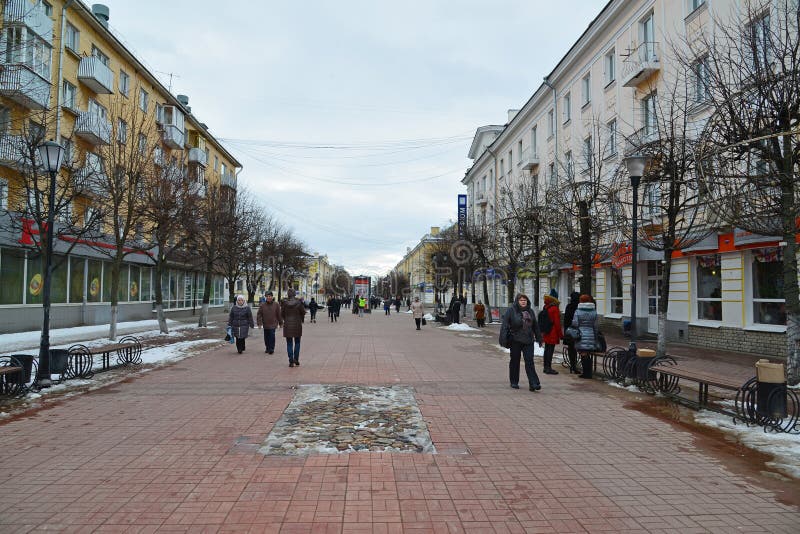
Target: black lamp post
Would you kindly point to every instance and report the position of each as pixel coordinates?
(51, 154)
(636, 164)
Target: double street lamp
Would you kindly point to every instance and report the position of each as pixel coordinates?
(51, 154)
(636, 164)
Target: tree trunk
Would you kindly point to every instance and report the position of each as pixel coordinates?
(586, 248)
(791, 291)
(162, 319)
(203, 319)
(537, 265)
(486, 296)
(663, 304)
(112, 327)
(231, 291)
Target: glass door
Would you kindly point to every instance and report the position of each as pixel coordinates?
(654, 272)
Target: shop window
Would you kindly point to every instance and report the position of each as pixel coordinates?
(106, 282)
(769, 306)
(616, 290)
(144, 286)
(709, 288)
(76, 279)
(134, 285)
(94, 281)
(12, 273)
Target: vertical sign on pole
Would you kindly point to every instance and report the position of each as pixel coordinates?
(462, 215)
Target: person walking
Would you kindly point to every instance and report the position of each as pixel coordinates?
(293, 313)
(313, 307)
(586, 321)
(362, 304)
(569, 314)
(334, 305)
(455, 310)
(554, 335)
(518, 331)
(240, 319)
(269, 317)
(480, 314)
(417, 311)
(387, 307)
(397, 303)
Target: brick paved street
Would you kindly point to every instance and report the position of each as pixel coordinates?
(176, 450)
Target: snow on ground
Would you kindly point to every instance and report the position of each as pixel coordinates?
(631, 388)
(459, 327)
(784, 447)
(537, 350)
(176, 351)
(429, 317)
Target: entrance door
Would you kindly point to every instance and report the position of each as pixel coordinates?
(654, 271)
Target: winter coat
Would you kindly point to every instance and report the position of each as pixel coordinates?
(480, 311)
(455, 306)
(313, 306)
(269, 315)
(553, 337)
(513, 324)
(334, 305)
(240, 319)
(569, 311)
(293, 313)
(586, 321)
(417, 309)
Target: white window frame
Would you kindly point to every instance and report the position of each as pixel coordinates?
(519, 152)
(649, 122)
(551, 123)
(94, 107)
(700, 83)
(67, 144)
(610, 66)
(695, 4)
(586, 89)
(612, 137)
(567, 107)
(124, 83)
(69, 95)
(144, 98)
(588, 154)
(698, 299)
(533, 141)
(122, 131)
(99, 54)
(753, 300)
(612, 298)
(142, 144)
(72, 38)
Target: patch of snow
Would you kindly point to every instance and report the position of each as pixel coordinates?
(459, 327)
(429, 317)
(633, 389)
(177, 351)
(785, 448)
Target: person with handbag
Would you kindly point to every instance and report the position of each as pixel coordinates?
(518, 332)
(569, 341)
(417, 311)
(240, 320)
(553, 336)
(586, 321)
(479, 310)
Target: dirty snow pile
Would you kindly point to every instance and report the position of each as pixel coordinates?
(459, 327)
(537, 350)
(429, 317)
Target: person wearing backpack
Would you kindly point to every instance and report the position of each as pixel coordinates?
(550, 325)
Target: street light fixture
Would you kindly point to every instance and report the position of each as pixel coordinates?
(636, 164)
(51, 154)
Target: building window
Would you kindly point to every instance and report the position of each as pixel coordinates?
(533, 141)
(510, 161)
(502, 168)
(694, 4)
(611, 66)
(551, 123)
(759, 40)
(72, 38)
(616, 290)
(709, 288)
(588, 156)
(122, 131)
(124, 83)
(142, 143)
(67, 144)
(143, 99)
(519, 152)
(96, 109)
(612, 138)
(48, 8)
(652, 199)
(69, 95)
(567, 108)
(586, 89)
(104, 59)
(647, 35)
(552, 173)
(769, 306)
(649, 115)
(700, 87)
(3, 194)
(5, 119)
(569, 164)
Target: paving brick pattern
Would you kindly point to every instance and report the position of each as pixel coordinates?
(176, 450)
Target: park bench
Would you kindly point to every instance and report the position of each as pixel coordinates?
(10, 384)
(128, 351)
(669, 376)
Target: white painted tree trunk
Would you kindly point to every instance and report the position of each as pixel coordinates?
(162, 319)
(661, 344)
(203, 320)
(112, 328)
(792, 349)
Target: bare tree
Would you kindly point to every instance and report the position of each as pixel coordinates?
(216, 213)
(239, 241)
(479, 235)
(750, 149)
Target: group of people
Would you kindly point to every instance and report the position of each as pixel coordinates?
(520, 329)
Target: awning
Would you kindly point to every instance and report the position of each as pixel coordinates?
(710, 242)
(743, 237)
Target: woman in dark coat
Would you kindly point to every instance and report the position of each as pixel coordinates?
(293, 313)
(240, 319)
(313, 307)
(521, 330)
(586, 321)
(569, 314)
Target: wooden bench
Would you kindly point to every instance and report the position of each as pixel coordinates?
(11, 387)
(703, 378)
(81, 361)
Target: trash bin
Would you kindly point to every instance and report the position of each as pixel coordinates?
(59, 358)
(770, 389)
(626, 328)
(644, 358)
(26, 361)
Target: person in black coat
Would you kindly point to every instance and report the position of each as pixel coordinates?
(519, 331)
(569, 314)
(240, 319)
(313, 307)
(334, 305)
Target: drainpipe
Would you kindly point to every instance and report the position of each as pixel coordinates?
(555, 125)
(61, 69)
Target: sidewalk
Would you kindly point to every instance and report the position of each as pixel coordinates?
(177, 450)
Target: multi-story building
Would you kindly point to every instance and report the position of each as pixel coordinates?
(64, 75)
(318, 278)
(611, 77)
(419, 265)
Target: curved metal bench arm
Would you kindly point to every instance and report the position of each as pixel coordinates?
(132, 355)
(786, 419)
(12, 384)
(81, 362)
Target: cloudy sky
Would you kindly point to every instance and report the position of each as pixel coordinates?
(352, 119)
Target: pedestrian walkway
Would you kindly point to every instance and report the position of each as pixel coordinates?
(178, 449)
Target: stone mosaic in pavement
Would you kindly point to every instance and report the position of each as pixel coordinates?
(335, 419)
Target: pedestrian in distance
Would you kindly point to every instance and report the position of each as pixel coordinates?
(554, 333)
(455, 310)
(480, 314)
(240, 319)
(334, 305)
(362, 305)
(269, 317)
(586, 321)
(417, 311)
(293, 313)
(397, 303)
(387, 307)
(408, 303)
(569, 314)
(313, 307)
(518, 332)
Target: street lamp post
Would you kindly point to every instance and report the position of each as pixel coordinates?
(636, 164)
(51, 154)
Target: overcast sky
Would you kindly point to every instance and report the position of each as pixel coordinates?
(353, 119)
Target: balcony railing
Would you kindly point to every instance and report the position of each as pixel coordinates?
(642, 62)
(96, 76)
(12, 151)
(228, 179)
(529, 160)
(198, 155)
(93, 128)
(173, 136)
(25, 87)
(30, 15)
(89, 178)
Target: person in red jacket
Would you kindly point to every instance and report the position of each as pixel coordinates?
(555, 335)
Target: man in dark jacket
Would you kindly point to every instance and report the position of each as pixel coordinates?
(269, 317)
(293, 313)
(313, 307)
(569, 314)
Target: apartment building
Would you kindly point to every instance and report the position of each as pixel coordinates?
(722, 288)
(419, 265)
(66, 76)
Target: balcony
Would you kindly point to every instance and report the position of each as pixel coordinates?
(198, 189)
(90, 178)
(96, 76)
(642, 62)
(529, 160)
(173, 137)
(25, 87)
(228, 180)
(480, 199)
(93, 128)
(30, 15)
(198, 156)
(12, 151)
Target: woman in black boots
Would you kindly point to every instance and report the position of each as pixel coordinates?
(569, 314)
(586, 321)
